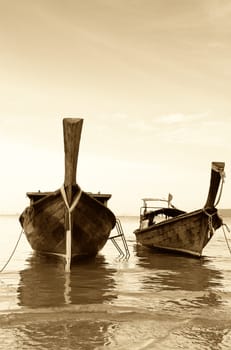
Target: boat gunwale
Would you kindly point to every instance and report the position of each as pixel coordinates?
(44, 195)
(171, 220)
(57, 193)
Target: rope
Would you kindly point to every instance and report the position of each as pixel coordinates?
(222, 175)
(210, 222)
(72, 207)
(12, 252)
(227, 242)
(210, 219)
(68, 232)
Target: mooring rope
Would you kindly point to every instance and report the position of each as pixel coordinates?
(11, 255)
(227, 242)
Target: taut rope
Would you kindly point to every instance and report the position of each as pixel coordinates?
(227, 242)
(11, 255)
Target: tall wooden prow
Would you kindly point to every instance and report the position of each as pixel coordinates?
(217, 174)
(72, 128)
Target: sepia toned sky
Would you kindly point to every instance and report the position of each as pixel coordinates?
(150, 78)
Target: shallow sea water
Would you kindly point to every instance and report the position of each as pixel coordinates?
(151, 301)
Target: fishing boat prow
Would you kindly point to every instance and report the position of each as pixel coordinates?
(68, 222)
(170, 229)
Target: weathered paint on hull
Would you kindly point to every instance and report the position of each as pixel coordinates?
(45, 222)
(187, 233)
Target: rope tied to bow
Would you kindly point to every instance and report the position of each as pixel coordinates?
(69, 231)
(221, 172)
(210, 222)
(222, 176)
(75, 201)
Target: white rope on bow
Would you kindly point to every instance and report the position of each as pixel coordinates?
(222, 175)
(221, 187)
(68, 232)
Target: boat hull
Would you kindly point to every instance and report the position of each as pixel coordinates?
(45, 223)
(186, 234)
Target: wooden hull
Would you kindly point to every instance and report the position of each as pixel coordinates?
(45, 223)
(188, 233)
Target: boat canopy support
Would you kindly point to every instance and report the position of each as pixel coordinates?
(123, 252)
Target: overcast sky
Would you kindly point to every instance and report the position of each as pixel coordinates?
(150, 78)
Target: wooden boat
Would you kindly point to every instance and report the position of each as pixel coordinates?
(178, 231)
(68, 222)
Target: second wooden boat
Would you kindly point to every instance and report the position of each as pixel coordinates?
(178, 231)
(68, 222)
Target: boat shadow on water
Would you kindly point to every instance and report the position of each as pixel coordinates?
(44, 283)
(169, 272)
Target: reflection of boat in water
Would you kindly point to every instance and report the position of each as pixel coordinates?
(182, 232)
(45, 284)
(173, 272)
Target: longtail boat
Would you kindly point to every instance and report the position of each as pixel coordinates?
(167, 228)
(68, 222)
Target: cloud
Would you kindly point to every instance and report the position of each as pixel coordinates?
(142, 125)
(171, 118)
(181, 118)
(219, 10)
